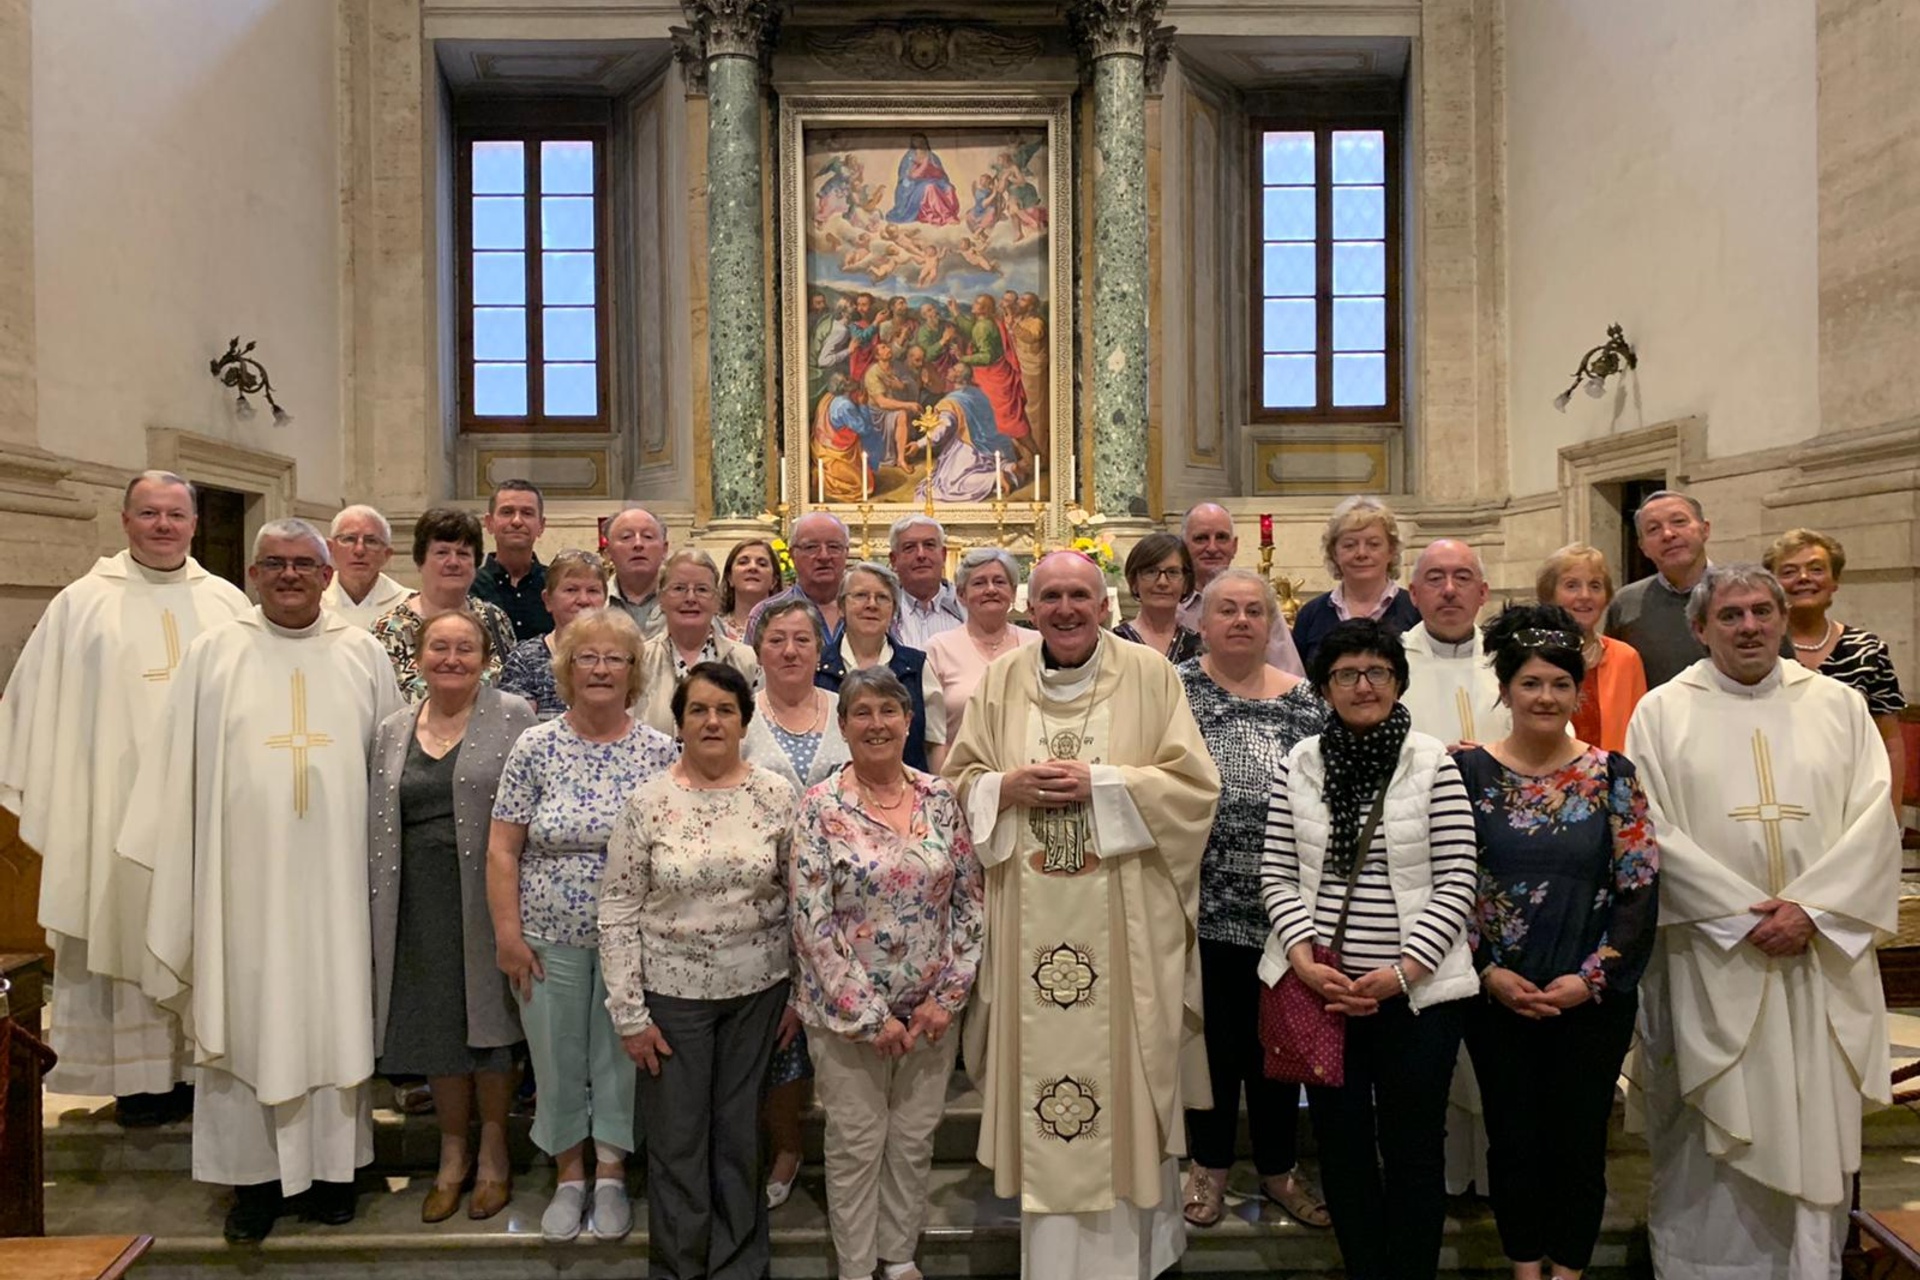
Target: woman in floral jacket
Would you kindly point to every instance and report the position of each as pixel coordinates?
(887, 926)
(1562, 930)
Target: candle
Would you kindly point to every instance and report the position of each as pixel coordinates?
(1073, 478)
(1039, 464)
(999, 478)
(820, 477)
(783, 482)
(1266, 530)
(866, 483)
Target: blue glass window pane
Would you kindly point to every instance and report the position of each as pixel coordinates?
(499, 333)
(1359, 213)
(566, 223)
(1289, 326)
(499, 222)
(566, 168)
(1288, 383)
(1289, 271)
(1359, 155)
(1360, 267)
(1359, 324)
(567, 278)
(499, 168)
(568, 333)
(500, 390)
(573, 390)
(1289, 213)
(1359, 381)
(1286, 157)
(499, 279)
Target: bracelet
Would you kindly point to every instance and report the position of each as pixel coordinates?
(1401, 974)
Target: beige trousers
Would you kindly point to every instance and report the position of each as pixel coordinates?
(881, 1116)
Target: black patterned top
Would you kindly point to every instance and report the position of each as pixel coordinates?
(1860, 660)
(1248, 738)
(1185, 645)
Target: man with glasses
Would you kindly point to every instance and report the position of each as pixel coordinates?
(250, 812)
(637, 546)
(819, 562)
(513, 577)
(1208, 531)
(361, 543)
(73, 727)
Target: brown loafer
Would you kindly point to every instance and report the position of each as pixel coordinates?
(489, 1198)
(440, 1203)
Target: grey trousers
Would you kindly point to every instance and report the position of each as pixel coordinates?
(706, 1192)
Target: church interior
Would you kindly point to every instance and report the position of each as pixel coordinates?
(1507, 265)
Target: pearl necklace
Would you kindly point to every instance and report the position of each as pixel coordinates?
(1826, 638)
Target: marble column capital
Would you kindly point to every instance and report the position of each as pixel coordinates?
(691, 53)
(1159, 57)
(732, 28)
(1112, 28)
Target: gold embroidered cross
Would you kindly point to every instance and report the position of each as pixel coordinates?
(299, 742)
(1769, 813)
(170, 636)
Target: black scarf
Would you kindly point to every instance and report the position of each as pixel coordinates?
(1357, 766)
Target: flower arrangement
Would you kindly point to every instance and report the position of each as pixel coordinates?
(783, 559)
(1100, 551)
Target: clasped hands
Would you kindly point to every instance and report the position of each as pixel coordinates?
(1049, 784)
(897, 1038)
(1354, 997)
(1784, 930)
(1567, 991)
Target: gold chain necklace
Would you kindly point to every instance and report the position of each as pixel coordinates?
(1065, 744)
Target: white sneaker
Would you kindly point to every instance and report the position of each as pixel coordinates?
(612, 1211)
(561, 1221)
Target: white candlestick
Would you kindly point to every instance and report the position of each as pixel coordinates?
(1039, 465)
(783, 483)
(1073, 477)
(866, 483)
(820, 477)
(999, 478)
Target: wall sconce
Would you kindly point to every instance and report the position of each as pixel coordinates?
(239, 370)
(1599, 364)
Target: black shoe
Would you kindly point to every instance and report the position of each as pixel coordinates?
(142, 1110)
(331, 1204)
(179, 1103)
(255, 1210)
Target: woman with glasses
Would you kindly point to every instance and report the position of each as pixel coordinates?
(751, 574)
(869, 602)
(576, 584)
(564, 784)
(447, 547)
(689, 602)
(1402, 976)
(1160, 575)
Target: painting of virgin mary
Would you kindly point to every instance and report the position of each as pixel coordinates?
(923, 192)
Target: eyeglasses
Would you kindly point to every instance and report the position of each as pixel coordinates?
(613, 661)
(1348, 677)
(869, 597)
(819, 548)
(681, 590)
(1164, 574)
(372, 540)
(278, 564)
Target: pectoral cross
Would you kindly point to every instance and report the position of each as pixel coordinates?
(1769, 813)
(170, 636)
(1464, 705)
(299, 742)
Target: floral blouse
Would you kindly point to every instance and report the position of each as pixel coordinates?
(528, 671)
(398, 631)
(1569, 870)
(567, 792)
(881, 921)
(695, 903)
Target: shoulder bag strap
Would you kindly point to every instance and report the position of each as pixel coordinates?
(1361, 851)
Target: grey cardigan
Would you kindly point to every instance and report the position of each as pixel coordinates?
(497, 721)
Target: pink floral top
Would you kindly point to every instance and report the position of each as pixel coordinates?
(881, 921)
(694, 903)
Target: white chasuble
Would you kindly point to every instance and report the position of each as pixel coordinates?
(1452, 693)
(1758, 1068)
(83, 697)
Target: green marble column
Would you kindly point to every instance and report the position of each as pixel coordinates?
(1114, 36)
(732, 33)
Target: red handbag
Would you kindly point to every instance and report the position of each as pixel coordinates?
(1301, 1041)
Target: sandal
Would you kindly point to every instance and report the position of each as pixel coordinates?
(1206, 1198)
(1293, 1193)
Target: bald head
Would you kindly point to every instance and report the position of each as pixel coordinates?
(1067, 596)
(1208, 532)
(636, 543)
(1449, 587)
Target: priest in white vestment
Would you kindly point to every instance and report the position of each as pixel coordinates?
(251, 811)
(1763, 1024)
(81, 703)
(361, 543)
(1090, 793)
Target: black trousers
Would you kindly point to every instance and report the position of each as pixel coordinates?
(1230, 1002)
(1547, 1089)
(706, 1184)
(1382, 1138)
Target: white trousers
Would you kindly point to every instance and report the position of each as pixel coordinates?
(1125, 1242)
(238, 1140)
(112, 1040)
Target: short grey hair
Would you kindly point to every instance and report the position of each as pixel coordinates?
(291, 527)
(913, 521)
(877, 680)
(690, 555)
(659, 525)
(1719, 577)
(1660, 495)
(878, 570)
(158, 477)
(978, 559)
(820, 515)
(1186, 521)
(364, 512)
(779, 607)
(1479, 565)
(1226, 577)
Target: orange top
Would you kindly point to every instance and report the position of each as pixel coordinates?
(1609, 694)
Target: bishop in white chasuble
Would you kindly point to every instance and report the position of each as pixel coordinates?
(251, 811)
(1757, 1066)
(78, 711)
(1084, 1035)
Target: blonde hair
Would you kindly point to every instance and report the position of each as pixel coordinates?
(1794, 541)
(600, 624)
(575, 563)
(1574, 554)
(1352, 515)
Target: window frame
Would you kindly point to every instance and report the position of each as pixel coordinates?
(531, 133)
(1323, 124)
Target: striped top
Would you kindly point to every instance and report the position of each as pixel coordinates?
(1375, 938)
(1860, 660)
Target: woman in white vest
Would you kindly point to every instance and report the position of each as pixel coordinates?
(1403, 976)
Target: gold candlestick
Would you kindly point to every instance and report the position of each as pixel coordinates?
(999, 522)
(780, 512)
(866, 538)
(1039, 530)
(927, 422)
(1286, 590)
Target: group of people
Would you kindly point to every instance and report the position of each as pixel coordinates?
(679, 837)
